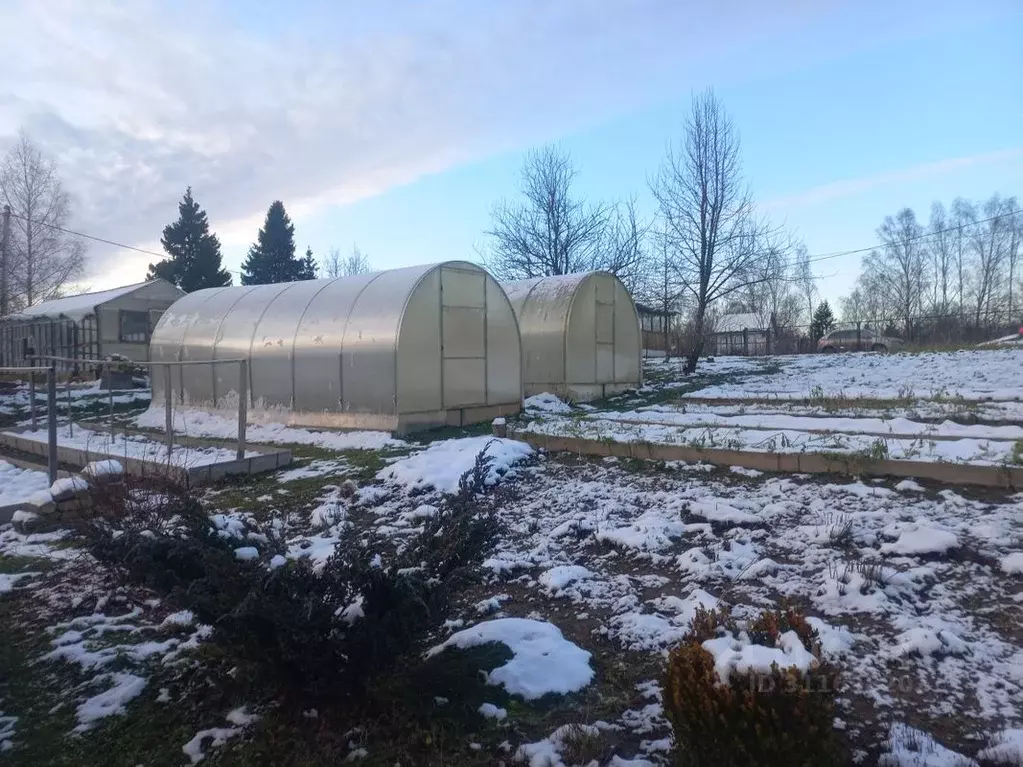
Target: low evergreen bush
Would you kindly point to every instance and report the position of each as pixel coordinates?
(315, 634)
(781, 717)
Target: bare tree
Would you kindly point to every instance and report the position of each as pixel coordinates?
(900, 266)
(336, 265)
(989, 241)
(707, 212)
(550, 232)
(43, 259)
(805, 282)
(660, 288)
(623, 250)
(1014, 221)
(942, 250)
(963, 217)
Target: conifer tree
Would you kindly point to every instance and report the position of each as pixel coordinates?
(272, 257)
(194, 260)
(823, 321)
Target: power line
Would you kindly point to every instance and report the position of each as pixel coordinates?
(811, 259)
(99, 239)
(923, 236)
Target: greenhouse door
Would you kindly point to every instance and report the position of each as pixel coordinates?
(605, 328)
(463, 337)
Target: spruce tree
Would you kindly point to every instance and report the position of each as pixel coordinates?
(823, 321)
(307, 266)
(272, 257)
(194, 252)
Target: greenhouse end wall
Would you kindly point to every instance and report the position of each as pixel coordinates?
(580, 335)
(397, 350)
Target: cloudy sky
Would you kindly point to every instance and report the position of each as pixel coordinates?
(396, 125)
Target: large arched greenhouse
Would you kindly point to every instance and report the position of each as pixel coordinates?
(580, 335)
(398, 350)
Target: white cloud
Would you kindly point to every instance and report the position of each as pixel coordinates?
(851, 187)
(322, 104)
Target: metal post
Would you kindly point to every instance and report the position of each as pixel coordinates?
(70, 414)
(32, 398)
(243, 404)
(168, 413)
(5, 239)
(51, 407)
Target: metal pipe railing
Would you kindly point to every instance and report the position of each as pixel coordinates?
(243, 389)
(51, 410)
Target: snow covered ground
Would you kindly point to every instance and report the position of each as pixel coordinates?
(198, 423)
(924, 407)
(132, 446)
(17, 485)
(600, 565)
(977, 374)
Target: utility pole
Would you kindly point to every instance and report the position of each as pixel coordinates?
(5, 241)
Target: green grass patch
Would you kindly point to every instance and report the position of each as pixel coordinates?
(12, 565)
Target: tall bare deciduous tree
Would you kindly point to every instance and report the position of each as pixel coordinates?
(550, 231)
(337, 265)
(625, 249)
(805, 282)
(989, 241)
(707, 212)
(941, 245)
(900, 265)
(43, 260)
(1015, 249)
(963, 218)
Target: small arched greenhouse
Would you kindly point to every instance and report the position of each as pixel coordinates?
(580, 335)
(398, 350)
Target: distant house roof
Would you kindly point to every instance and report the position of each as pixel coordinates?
(736, 323)
(76, 307)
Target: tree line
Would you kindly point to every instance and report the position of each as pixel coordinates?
(954, 277)
(708, 251)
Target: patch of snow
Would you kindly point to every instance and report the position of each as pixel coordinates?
(743, 471)
(925, 642)
(218, 736)
(740, 655)
(314, 469)
(908, 747)
(921, 539)
(200, 423)
(1012, 563)
(180, 618)
(545, 402)
(557, 578)
(1006, 747)
(490, 711)
(106, 468)
(908, 485)
(442, 464)
(246, 553)
(543, 660)
(126, 687)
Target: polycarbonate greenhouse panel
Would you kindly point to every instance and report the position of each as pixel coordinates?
(580, 335)
(398, 349)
